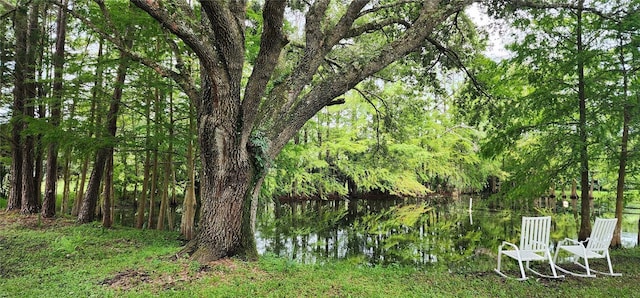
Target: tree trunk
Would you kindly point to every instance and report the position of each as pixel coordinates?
(107, 208)
(66, 171)
(230, 184)
(241, 130)
(228, 181)
(616, 241)
(94, 118)
(165, 205)
(49, 202)
(142, 201)
(153, 187)
(29, 194)
(19, 93)
(171, 175)
(585, 222)
(164, 199)
(142, 198)
(66, 178)
(82, 179)
(89, 202)
(164, 196)
(187, 221)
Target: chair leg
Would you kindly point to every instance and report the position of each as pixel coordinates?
(522, 269)
(609, 263)
(586, 265)
(611, 267)
(552, 264)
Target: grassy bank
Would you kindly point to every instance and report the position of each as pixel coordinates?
(56, 258)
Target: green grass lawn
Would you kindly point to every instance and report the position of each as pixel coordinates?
(56, 258)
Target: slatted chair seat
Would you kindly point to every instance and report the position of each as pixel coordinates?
(524, 255)
(534, 246)
(579, 251)
(597, 247)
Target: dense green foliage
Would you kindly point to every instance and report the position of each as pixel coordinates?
(531, 113)
(393, 135)
(390, 139)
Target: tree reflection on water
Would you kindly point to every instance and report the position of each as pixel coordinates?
(382, 232)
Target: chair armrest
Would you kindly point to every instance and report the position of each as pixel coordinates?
(515, 247)
(573, 241)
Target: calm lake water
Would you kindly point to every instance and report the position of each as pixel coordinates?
(403, 231)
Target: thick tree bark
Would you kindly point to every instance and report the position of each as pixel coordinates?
(49, 202)
(19, 94)
(30, 188)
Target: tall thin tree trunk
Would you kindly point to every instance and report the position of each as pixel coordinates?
(107, 211)
(19, 93)
(142, 201)
(124, 193)
(165, 211)
(153, 188)
(82, 179)
(585, 222)
(164, 196)
(189, 205)
(89, 202)
(29, 188)
(616, 241)
(94, 118)
(164, 199)
(155, 168)
(142, 198)
(49, 202)
(66, 180)
(66, 171)
(172, 176)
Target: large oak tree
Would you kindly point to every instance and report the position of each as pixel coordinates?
(248, 110)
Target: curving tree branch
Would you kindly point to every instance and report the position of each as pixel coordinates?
(272, 42)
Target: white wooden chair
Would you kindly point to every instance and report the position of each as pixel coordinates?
(597, 247)
(534, 246)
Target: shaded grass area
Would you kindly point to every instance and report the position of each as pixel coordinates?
(56, 258)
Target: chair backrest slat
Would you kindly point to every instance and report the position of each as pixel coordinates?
(535, 233)
(601, 234)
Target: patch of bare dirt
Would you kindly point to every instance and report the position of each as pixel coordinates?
(129, 279)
